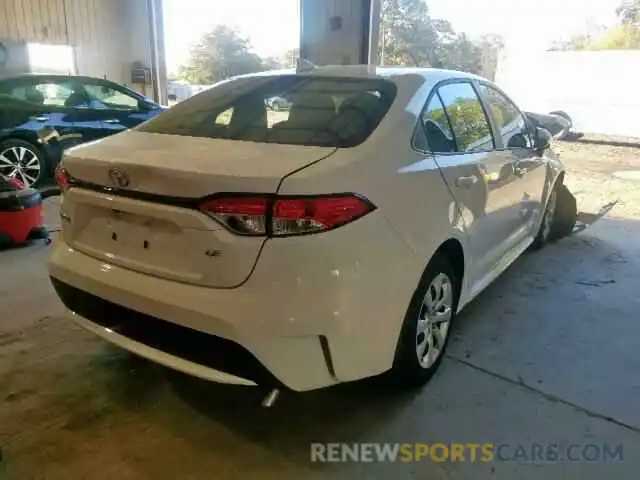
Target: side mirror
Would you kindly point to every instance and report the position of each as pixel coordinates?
(542, 139)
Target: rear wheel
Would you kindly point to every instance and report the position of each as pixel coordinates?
(22, 160)
(427, 325)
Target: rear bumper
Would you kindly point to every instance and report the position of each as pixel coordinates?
(312, 314)
(131, 310)
(190, 351)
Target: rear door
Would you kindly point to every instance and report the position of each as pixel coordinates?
(480, 178)
(515, 143)
(42, 104)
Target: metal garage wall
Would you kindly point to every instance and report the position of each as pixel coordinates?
(33, 20)
(107, 35)
(98, 31)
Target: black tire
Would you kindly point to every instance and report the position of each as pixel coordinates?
(566, 214)
(43, 174)
(407, 371)
(563, 218)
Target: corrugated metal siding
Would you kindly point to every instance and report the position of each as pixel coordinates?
(32, 20)
(107, 35)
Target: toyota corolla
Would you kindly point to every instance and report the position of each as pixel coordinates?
(331, 242)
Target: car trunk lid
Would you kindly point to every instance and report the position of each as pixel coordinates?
(135, 201)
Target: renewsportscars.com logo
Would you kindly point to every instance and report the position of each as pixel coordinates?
(466, 452)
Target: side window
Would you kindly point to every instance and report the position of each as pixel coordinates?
(509, 121)
(438, 133)
(43, 93)
(470, 126)
(224, 118)
(105, 96)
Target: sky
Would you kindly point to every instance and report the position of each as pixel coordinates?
(273, 26)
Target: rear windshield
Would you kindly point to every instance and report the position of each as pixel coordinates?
(290, 109)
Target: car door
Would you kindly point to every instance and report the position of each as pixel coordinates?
(459, 133)
(515, 143)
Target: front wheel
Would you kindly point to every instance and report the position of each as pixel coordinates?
(559, 216)
(23, 161)
(427, 325)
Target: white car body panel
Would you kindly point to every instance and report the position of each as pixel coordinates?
(317, 309)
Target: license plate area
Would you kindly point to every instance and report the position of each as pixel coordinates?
(137, 242)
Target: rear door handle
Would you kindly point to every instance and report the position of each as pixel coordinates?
(466, 181)
(39, 118)
(112, 120)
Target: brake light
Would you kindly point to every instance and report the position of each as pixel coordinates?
(286, 215)
(243, 215)
(62, 178)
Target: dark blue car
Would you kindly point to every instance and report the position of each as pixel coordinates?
(40, 115)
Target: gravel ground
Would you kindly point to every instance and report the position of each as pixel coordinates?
(549, 353)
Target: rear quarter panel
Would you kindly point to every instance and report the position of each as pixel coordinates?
(386, 253)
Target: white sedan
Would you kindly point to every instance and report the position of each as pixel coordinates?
(336, 243)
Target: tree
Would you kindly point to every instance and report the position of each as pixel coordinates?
(629, 12)
(621, 37)
(624, 36)
(409, 36)
(220, 54)
(287, 59)
(461, 54)
(490, 46)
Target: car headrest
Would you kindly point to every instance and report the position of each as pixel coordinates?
(250, 111)
(76, 99)
(312, 109)
(437, 139)
(34, 96)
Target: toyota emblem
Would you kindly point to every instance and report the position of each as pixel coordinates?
(118, 178)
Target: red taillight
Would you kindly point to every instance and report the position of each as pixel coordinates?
(294, 216)
(244, 215)
(288, 215)
(63, 180)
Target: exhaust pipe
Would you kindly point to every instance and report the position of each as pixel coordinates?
(270, 399)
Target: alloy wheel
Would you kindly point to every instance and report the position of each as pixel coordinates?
(22, 163)
(434, 320)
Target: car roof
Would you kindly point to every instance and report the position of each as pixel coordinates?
(374, 71)
(45, 76)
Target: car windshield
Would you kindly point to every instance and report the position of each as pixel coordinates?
(290, 109)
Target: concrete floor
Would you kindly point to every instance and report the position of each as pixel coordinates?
(548, 354)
